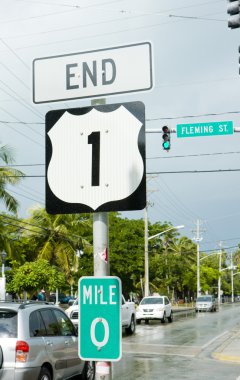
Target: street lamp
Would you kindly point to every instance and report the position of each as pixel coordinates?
(146, 255)
(3, 275)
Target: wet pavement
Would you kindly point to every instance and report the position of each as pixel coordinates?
(194, 347)
(228, 351)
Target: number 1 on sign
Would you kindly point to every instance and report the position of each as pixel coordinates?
(94, 140)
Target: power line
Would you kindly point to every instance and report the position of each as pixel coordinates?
(149, 173)
(148, 158)
(148, 119)
(197, 18)
(193, 155)
(193, 116)
(196, 171)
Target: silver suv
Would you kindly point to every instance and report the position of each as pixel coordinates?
(206, 303)
(39, 342)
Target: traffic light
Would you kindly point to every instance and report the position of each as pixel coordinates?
(166, 138)
(234, 11)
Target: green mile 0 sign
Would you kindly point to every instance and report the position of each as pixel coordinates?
(100, 327)
(205, 129)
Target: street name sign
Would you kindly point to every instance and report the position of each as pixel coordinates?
(100, 327)
(102, 72)
(95, 159)
(205, 129)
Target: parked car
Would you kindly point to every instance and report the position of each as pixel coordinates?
(206, 303)
(62, 298)
(128, 314)
(154, 307)
(39, 342)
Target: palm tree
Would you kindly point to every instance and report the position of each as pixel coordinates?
(8, 176)
(56, 238)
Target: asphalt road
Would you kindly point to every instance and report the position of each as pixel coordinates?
(180, 350)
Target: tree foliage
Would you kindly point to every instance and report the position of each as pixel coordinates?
(65, 243)
(8, 176)
(36, 275)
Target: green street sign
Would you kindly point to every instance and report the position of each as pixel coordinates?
(205, 129)
(100, 327)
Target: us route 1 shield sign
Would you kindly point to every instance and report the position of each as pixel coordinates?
(100, 327)
(95, 159)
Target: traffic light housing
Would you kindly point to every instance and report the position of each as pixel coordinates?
(234, 11)
(166, 138)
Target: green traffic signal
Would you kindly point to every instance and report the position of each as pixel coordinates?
(166, 145)
(166, 138)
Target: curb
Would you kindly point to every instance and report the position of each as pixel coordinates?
(226, 358)
(182, 310)
(226, 352)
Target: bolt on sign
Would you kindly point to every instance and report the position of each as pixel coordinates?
(100, 327)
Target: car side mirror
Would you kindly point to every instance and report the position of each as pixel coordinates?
(70, 302)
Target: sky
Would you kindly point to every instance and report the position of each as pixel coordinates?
(196, 80)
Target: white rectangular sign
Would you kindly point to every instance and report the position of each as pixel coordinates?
(101, 72)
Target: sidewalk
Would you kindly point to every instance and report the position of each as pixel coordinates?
(230, 349)
(177, 309)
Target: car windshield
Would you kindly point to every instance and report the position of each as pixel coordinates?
(204, 299)
(152, 301)
(8, 324)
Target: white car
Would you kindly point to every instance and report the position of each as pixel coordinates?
(128, 315)
(154, 307)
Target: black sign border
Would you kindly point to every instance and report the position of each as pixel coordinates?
(136, 201)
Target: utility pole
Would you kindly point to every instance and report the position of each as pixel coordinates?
(231, 265)
(219, 276)
(146, 261)
(198, 238)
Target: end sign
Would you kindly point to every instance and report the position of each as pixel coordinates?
(100, 327)
(115, 70)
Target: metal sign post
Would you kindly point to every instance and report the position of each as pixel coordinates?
(101, 268)
(101, 264)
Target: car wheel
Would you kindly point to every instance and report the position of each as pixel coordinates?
(146, 321)
(89, 371)
(163, 320)
(44, 374)
(170, 318)
(138, 321)
(131, 328)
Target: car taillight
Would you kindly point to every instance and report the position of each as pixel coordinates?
(22, 350)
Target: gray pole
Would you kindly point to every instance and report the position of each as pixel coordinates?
(146, 293)
(198, 261)
(100, 244)
(101, 268)
(232, 279)
(101, 265)
(219, 276)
